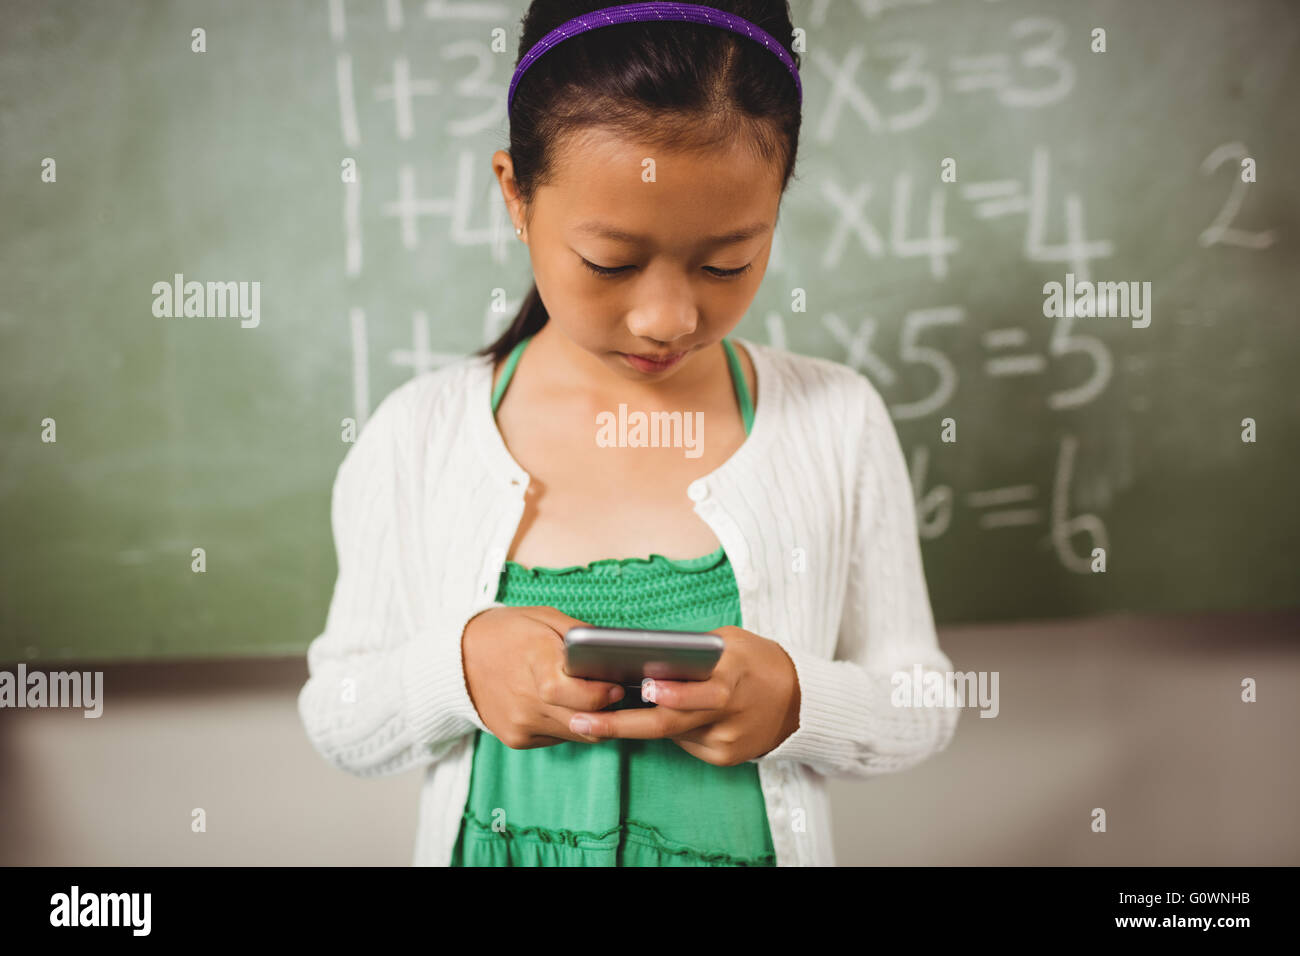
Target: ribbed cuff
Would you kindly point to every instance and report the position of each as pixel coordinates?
(847, 713)
(834, 712)
(438, 705)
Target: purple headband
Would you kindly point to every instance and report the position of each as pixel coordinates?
(633, 12)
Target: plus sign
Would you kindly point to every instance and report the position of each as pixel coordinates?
(401, 91)
(408, 207)
(419, 358)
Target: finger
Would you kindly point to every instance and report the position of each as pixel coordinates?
(711, 694)
(555, 619)
(558, 689)
(556, 721)
(580, 693)
(691, 743)
(696, 739)
(638, 724)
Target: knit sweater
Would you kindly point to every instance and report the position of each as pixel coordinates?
(814, 511)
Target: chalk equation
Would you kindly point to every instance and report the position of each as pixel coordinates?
(1017, 506)
(912, 218)
(1038, 74)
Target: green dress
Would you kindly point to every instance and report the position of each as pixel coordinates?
(617, 802)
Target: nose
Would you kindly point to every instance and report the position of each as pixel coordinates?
(665, 312)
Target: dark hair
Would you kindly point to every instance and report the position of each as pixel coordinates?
(679, 84)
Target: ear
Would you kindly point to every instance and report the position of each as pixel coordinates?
(504, 169)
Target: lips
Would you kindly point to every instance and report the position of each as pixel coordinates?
(652, 363)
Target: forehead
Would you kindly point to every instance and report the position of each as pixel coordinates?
(601, 177)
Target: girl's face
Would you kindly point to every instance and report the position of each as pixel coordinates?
(680, 240)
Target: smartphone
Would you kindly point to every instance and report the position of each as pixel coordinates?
(626, 656)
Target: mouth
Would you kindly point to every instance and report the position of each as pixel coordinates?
(652, 363)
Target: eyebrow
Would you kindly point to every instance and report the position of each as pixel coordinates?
(604, 231)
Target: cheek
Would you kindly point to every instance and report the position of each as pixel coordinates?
(735, 296)
(575, 309)
(560, 290)
(563, 279)
(582, 304)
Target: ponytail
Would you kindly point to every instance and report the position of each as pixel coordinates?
(532, 316)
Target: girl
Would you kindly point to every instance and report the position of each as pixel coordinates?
(481, 513)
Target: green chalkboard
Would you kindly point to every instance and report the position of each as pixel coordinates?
(224, 166)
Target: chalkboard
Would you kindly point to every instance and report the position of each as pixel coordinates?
(1163, 157)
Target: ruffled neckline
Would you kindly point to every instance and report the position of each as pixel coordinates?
(705, 562)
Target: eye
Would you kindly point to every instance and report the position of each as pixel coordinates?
(606, 272)
(601, 270)
(729, 273)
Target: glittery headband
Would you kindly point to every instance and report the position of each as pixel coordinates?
(633, 12)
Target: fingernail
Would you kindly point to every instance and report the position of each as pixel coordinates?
(580, 725)
(648, 690)
(615, 693)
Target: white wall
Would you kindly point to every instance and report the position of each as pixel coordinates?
(1141, 716)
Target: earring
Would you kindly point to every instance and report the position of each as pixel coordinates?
(519, 231)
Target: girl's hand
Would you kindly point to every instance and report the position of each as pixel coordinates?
(514, 672)
(745, 709)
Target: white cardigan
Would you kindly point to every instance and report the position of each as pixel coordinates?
(814, 511)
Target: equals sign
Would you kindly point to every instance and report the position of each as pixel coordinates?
(1011, 364)
(978, 72)
(1008, 517)
(998, 198)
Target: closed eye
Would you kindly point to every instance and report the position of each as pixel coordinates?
(606, 272)
(729, 273)
(601, 270)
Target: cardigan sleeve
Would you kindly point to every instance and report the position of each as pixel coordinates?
(384, 695)
(849, 725)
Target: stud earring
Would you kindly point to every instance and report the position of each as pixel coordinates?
(519, 231)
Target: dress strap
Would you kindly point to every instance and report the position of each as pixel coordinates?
(742, 387)
(511, 361)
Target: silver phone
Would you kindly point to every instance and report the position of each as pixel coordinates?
(625, 655)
